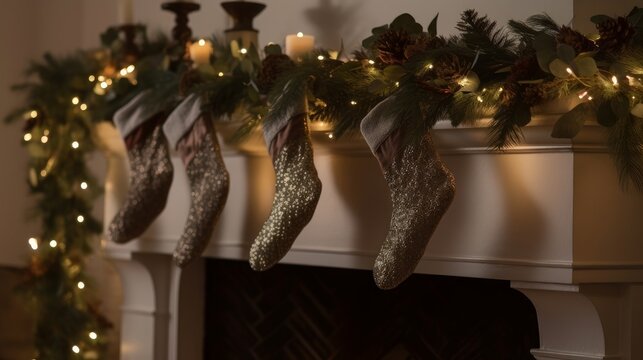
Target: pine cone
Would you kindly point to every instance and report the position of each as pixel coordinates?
(423, 43)
(533, 94)
(575, 39)
(615, 34)
(391, 46)
(271, 68)
(450, 68)
(525, 68)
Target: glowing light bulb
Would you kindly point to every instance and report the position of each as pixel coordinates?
(75, 349)
(615, 80)
(397, 84)
(103, 85)
(371, 62)
(101, 78)
(582, 95)
(46, 132)
(53, 243)
(91, 78)
(131, 68)
(75, 100)
(243, 51)
(93, 335)
(81, 285)
(201, 42)
(75, 145)
(43, 172)
(83, 107)
(330, 136)
(220, 74)
(479, 98)
(300, 34)
(83, 185)
(33, 114)
(569, 71)
(500, 90)
(123, 72)
(590, 98)
(33, 243)
(320, 57)
(353, 102)
(80, 219)
(44, 139)
(27, 136)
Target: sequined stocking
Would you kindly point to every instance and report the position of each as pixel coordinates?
(209, 184)
(422, 188)
(297, 192)
(149, 184)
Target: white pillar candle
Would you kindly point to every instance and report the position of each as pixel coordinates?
(200, 52)
(126, 11)
(298, 45)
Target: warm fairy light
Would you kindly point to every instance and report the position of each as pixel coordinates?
(615, 80)
(103, 85)
(46, 132)
(463, 82)
(300, 34)
(81, 285)
(590, 98)
(397, 84)
(320, 57)
(53, 243)
(91, 78)
(371, 62)
(201, 42)
(633, 97)
(75, 145)
(83, 107)
(353, 102)
(131, 68)
(243, 51)
(500, 90)
(479, 98)
(93, 335)
(429, 66)
(569, 71)
(123, 72)
(33, 243)
(220, 74)
(484, 89)
(80, 219)
(101, 78)
(43, 172)
(109, 81)
(27, 136)
(75, 100)
(582, 95)
(33, 114)
(75, 348)
(83, 185)
(330, 136)
(44, 139)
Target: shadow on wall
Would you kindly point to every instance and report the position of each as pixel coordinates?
(334, 22)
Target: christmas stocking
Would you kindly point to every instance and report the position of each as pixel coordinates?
(297, 187)
(421, 186)
(150, 169)
(192, 133)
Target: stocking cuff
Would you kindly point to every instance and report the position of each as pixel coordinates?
(378, 124)
(272, 125)
(182, 119)
(134, 113)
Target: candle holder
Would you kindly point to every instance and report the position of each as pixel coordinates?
(131, 52)
(181, 33)
(242, 13)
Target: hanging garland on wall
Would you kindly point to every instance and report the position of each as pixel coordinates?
(484, 72)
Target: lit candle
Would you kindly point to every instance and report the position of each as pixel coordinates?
(297, 45)
(126, 11)
(200, 52)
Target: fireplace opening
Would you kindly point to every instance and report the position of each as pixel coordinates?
(304, 312)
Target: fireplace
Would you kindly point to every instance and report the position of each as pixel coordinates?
(305, 312)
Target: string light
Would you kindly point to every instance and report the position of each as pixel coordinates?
(371, 62)
(590, 98)
(615, 80)
(44, 139)
(123, 72)
(320, 57)
(103, 85)
(83, 185)
(479, 98)
(582, 95)
(300, 34)
(500, 90)
(93, 335)
(397, 84)
(91, 78)
(131, 68)
(43, 172)
(109, 81)
(569, 71)
(81, 285)
(83, 107)
(53, 243)
(33, 243)
(80, 219)
(33, 114)
(220, 74)
(75, 348)
(243, 51)
(75, 145)
(353, 102)
(27, 136)
(330, 136)
(101, 78)
(201, 42)
(75, 100)
(46, 132)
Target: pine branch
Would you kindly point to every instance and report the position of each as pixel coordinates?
(505, 126)
(625, 142)
(478, 32)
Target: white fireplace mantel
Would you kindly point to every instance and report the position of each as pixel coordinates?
(547, 214)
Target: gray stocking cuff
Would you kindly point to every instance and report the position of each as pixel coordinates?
(134, 113)
(181, 119)
(378, 124)
(272, 126)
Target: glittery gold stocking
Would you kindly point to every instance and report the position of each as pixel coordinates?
(297, 189)
(150, 178)
(193, 134)
(422, 188)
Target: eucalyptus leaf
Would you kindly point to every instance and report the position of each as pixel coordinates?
(566, 53)
(545, 57)
(406, 22)
(432, 30)
(586, 66)
(637, 110)
(379, 30)
(559, 68)
(571, 123)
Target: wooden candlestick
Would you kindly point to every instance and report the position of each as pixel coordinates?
(131, 52)
(181, 33)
